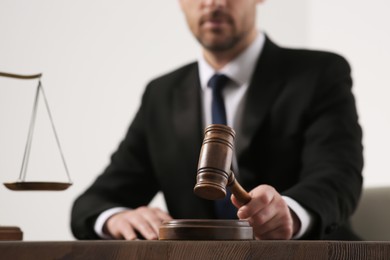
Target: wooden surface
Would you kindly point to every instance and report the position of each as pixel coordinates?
(10, 233)
(34, 185)
(206, 229)
(215, 161)
(214, 166)
(187, 250)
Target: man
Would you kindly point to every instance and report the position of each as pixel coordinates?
(298, 146)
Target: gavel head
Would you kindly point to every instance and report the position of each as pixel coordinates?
(215, 161)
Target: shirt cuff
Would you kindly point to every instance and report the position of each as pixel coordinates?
(101, 220)
(302, 214)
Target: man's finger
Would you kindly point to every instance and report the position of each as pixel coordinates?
(128, 232)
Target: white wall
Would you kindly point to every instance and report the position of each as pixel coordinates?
(97, 56)
(360, 31)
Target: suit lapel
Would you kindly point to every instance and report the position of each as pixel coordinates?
(187, 116)
(263, 89)
(187, 109)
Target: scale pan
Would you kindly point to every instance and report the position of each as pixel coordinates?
(27, 185)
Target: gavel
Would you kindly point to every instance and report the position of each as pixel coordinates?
(214, 172)
(213, 176)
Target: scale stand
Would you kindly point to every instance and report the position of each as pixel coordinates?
(21, 184)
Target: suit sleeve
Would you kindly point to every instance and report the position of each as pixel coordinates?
(330, 180)
(128, 181)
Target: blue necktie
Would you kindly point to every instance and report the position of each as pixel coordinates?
(224, 208)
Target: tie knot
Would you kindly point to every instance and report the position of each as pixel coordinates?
(218, 81)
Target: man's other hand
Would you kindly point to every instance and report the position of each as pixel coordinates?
(144, 220)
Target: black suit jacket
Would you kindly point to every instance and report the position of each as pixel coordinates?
(299, 133)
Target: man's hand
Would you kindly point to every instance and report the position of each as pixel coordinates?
(144, 220)
(268, 214)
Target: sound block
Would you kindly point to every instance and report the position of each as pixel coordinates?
(205, 229)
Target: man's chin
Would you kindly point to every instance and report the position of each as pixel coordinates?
(217, 45)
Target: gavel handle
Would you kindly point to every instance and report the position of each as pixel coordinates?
(241, 195)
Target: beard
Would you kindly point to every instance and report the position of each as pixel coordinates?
(221, 38)
(226, 43)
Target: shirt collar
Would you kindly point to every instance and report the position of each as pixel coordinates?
(240, 69)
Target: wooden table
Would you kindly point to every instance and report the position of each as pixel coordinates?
(187, 250)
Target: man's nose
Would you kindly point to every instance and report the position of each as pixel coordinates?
(215, 3)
